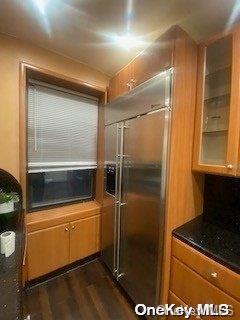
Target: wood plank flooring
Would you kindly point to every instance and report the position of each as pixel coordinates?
(85, 293)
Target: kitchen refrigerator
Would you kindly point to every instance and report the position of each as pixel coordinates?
(136, 155)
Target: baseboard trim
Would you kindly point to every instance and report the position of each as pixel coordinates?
(61, 271)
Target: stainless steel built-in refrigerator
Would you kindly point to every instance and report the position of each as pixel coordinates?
(136, 150)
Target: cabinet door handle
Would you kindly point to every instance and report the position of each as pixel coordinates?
(229, 166)
(131, 84)
(73, 227)
(66, 229)
(214, 275)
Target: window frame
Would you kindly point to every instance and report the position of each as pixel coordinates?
(28, 71)
(64, 203)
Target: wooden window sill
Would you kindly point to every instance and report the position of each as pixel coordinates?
(55, 216)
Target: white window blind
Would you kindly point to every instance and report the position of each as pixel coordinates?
(62, 129)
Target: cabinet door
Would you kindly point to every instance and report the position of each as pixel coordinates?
(153, 60)
(158, 57)
(113, 88)
(121, 82)
(47, 250)
(125, 77)
(84, 238)
(217, 112)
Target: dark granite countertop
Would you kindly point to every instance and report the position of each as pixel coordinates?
(14, 262)
(215, 241)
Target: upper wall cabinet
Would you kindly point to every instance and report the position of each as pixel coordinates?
(217, 111)
(157, 57)
(121, 82)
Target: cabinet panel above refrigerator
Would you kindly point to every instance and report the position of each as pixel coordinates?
(149, 96)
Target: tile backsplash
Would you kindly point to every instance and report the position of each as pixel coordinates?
(222, 201)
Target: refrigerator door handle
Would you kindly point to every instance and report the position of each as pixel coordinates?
(120, 275)
(119, 163)
(120, 158)
(123, 204)
(117, 201)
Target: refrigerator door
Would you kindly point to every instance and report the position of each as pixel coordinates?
(142, 209)
(113, 139)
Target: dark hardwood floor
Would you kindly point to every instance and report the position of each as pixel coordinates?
(85, 293)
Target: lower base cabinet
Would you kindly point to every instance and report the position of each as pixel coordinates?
(190, 283)
(193, 290)
(84, 238)
(55, 247)
(48, 250)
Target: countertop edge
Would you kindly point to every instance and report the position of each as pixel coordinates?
(207, 252)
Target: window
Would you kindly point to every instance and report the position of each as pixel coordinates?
(62, 143)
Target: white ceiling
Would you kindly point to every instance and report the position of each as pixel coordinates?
(83, 29)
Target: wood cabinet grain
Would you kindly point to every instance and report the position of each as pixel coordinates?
(55, 216)
(47, 250)
(192, 289)
(121, 82)
(113, 88)
(157, 57)
(173, 299)
(84, 238)
(220, 276)
(52, 244)
(217, 120)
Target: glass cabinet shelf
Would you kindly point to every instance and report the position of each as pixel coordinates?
(217, 84)
(216, 102)
(214, 131)
(217, 97)
(217, 71)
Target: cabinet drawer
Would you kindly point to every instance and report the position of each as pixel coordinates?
(212, 271)
(192, 289)
(173, 299)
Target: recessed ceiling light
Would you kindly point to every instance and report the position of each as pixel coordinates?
(127, 41)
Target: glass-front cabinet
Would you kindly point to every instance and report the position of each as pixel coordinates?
(217, 125)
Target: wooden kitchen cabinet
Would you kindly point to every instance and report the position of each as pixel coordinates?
(156, 58)
(125, 79)
(121, 82)
(84, 238)
(216, 138)
(47, 250)
(113, 88)
(173, 299)
(58, 236)
(192, 289)
(220, 276)
(52, 248)
(195, 279)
